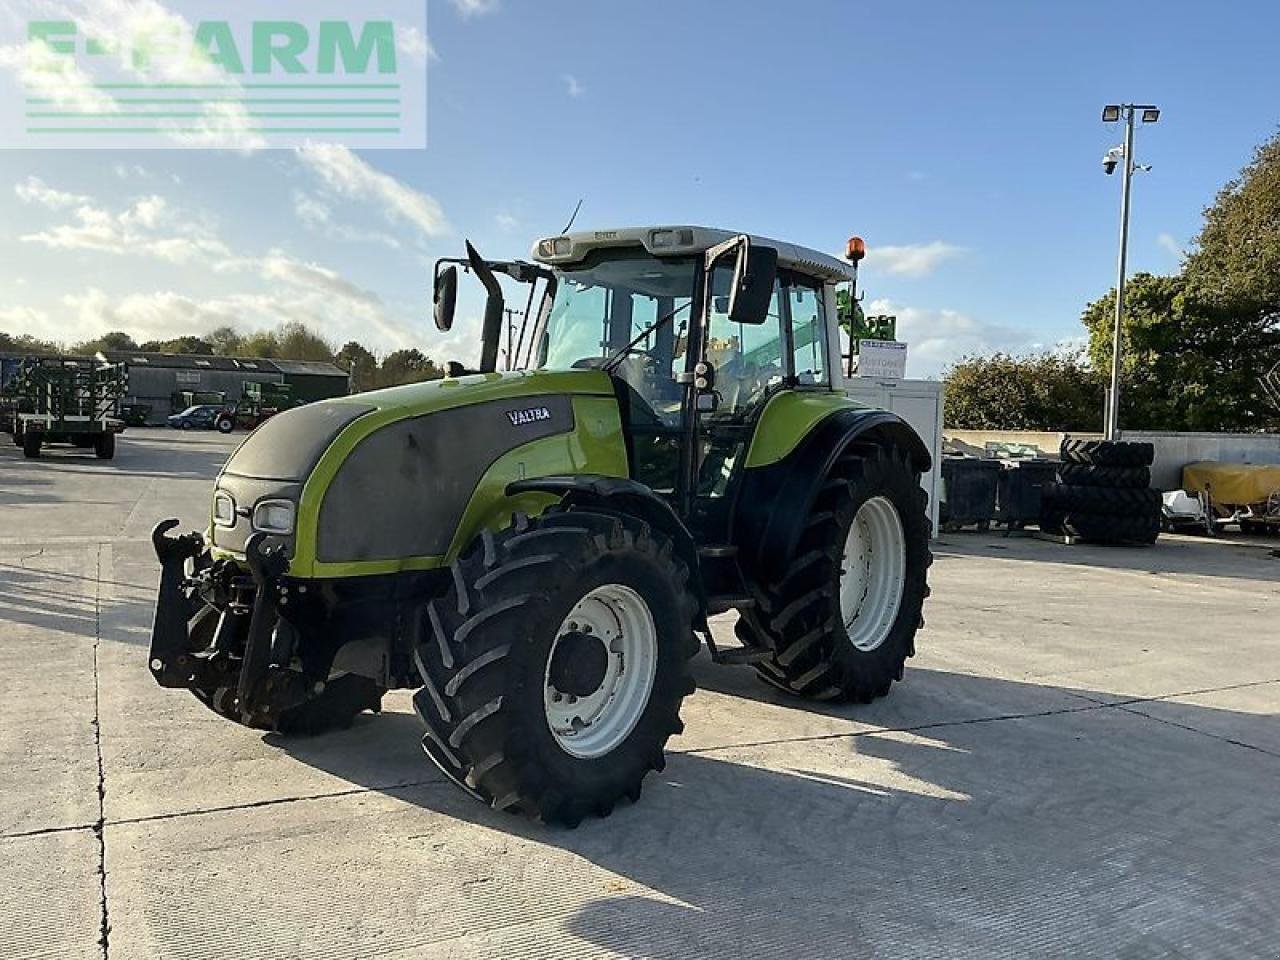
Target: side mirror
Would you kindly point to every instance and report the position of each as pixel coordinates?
(445, 298)
(754, 276)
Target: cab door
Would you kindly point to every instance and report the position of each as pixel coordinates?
(751, 363)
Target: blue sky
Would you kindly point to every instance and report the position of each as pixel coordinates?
(962, 141)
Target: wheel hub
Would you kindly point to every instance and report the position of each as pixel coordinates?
(600, 671)
(872, 573)
(579, 663)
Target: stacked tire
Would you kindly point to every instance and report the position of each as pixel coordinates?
(1102, 492)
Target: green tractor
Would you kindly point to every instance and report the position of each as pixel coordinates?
(537, 551)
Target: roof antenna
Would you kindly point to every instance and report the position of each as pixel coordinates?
(574, 217)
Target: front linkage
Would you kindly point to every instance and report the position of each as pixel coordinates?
(232, 639)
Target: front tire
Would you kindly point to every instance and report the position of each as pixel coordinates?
(843, 621)
(555, 666)
(104, 446)
(225, 424)
(31, 443)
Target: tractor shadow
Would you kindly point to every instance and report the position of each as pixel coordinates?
(1075, 823)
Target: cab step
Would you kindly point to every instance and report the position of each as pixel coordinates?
(722, 603)
(718, 551)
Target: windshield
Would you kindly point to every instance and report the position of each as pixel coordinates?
(607, 300)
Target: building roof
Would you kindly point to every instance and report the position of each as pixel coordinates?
(311, 368)
(191, 361)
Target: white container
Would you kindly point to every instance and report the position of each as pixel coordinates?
(920, 403)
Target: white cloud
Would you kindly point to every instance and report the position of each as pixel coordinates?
(1170, 244)
(475, 8)
(147, 227)
(323, 301)
(911, 260)
(349, 176)
(414, 45)
(506, 222)
(572, 86)
(936, 338)
(312, 276)
(35, 190)
(21, 320)
(318, 216)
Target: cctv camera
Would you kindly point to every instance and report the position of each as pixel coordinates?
(1111, 158)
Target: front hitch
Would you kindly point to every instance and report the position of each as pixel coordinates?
(266, 564)
(169, 636)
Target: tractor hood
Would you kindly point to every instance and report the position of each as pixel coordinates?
(383, 476)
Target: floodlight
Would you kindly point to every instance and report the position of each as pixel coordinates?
(1110, 113)
(1150, 114)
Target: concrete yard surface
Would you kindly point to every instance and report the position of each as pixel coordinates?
(1083, 761)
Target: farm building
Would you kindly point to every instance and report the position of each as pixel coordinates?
(155, 378)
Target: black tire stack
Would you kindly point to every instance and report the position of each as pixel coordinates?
(1102, 492)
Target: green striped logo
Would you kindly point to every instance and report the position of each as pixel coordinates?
(166, 79)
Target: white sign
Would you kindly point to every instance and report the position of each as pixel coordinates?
(882, 359)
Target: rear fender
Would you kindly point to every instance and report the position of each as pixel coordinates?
(776, 500)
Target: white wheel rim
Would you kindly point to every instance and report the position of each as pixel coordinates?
(873, 573)
(591, 725)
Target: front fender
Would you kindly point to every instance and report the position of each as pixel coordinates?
(623, 495)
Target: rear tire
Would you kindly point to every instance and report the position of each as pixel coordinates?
(1104, 528)
(1085, 475)
(1107, 453)
(491, 663)
(829, 648)
(31, 443)
(1117, 501)
(104, 446)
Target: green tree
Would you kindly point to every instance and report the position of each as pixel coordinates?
(1236, 259)
(225, 341)
(115, 340)
(1045, 391)
(1197, 344)
(26, 344)
(362, 364)
(188, 345)
(407, 366)
(295, 341)
(262, 343)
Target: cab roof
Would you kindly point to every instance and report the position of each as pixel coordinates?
(682, 241)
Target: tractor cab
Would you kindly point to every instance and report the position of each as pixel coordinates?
(699, 330)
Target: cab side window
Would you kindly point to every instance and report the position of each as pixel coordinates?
(748, 358)
(808, 332)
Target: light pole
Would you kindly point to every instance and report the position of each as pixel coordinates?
(1110, 114)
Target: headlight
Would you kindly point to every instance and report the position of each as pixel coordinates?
(224, 509)
(274, 516)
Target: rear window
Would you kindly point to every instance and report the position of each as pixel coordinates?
(290, 444)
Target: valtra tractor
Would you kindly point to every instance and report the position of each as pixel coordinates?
(536, 551)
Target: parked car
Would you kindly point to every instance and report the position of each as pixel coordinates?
(200, 417)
